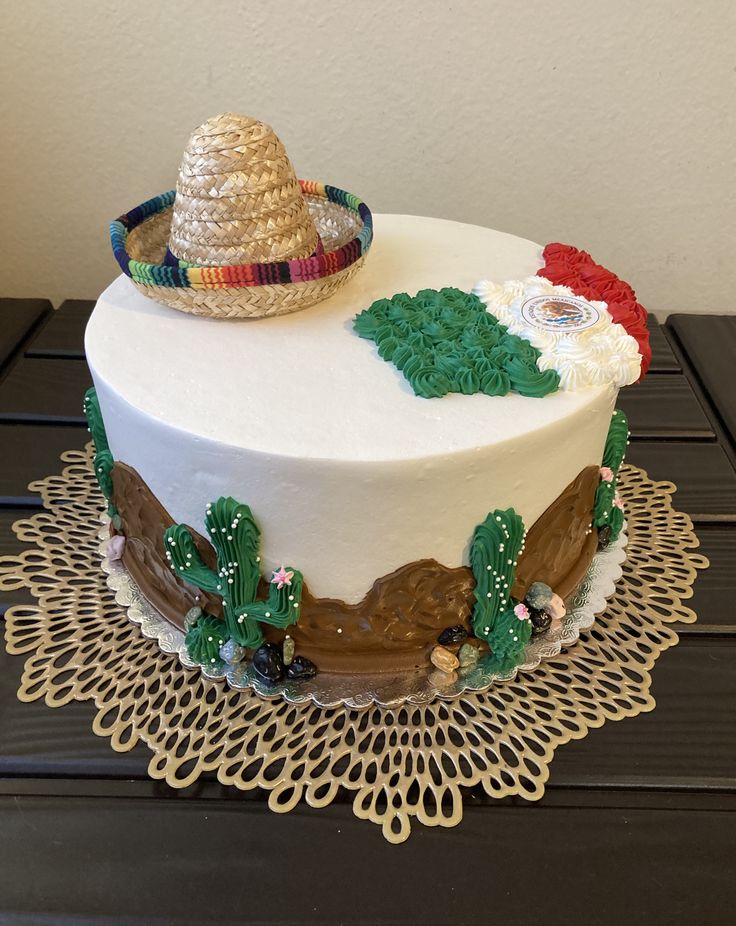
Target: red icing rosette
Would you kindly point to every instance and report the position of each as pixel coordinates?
(567, 266)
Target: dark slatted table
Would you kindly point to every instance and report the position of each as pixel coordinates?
(636, 824)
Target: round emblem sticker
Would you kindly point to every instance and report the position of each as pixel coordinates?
(559, 313)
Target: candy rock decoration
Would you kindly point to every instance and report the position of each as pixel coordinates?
(115, 548)
(576, 338)
(300, 669)
(545, 608)
(236, 538)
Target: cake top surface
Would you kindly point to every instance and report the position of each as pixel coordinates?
(305, 385)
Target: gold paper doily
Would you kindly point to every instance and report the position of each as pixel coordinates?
(411, 762)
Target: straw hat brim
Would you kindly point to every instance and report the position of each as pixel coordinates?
(345, 227)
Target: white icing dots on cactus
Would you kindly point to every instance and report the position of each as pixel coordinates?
(589, 350)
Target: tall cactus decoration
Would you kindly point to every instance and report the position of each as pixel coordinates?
(608, 512)
(496, 546)
(103, 461)
(236, 537)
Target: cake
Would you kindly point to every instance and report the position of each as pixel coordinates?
(416, 468)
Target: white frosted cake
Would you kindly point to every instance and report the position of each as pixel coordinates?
(382, 503)
(349, 474)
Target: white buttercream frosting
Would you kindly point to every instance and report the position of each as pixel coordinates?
(598, 355)
(348, 473)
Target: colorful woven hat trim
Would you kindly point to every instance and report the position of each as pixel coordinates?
(184, 275)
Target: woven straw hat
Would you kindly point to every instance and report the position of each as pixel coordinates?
(241, 237)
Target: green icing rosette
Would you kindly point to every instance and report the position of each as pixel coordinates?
(445, 341)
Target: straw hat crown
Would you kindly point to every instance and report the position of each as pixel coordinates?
(238, 200)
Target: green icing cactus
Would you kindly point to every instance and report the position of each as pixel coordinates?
(510, 636)
(204, 639)
(235, 537)
(446, 341)
(494, 552)
(103, 461)
(616, 441)
(608, 509)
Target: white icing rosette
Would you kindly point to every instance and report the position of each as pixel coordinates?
(576, 337)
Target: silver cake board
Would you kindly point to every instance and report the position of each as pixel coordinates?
(388, 690)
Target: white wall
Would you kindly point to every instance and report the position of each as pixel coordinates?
(609, 125)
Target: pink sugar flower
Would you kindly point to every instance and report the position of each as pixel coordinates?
(281, 578)
(521, 611)
(617, 502)
(606, 473)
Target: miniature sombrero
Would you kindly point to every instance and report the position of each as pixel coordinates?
(241, 237)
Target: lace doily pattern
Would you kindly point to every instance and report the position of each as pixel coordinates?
(403, 764)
